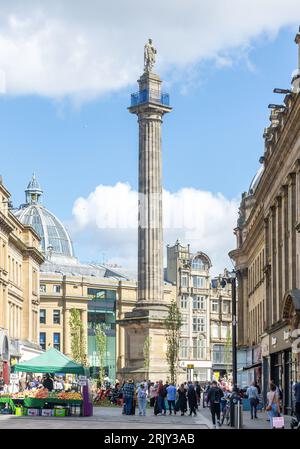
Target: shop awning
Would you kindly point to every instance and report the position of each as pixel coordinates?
(51, 361)
(255, 365)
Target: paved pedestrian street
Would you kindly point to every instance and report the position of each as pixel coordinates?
(111, 418)
(105, 418)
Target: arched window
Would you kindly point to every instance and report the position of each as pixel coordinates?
(199, 264)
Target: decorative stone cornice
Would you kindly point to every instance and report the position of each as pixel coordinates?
(5, 226)
(34, 254)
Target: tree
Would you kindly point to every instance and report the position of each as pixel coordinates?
(147, 349)
(173, 324)
(78, 338)
(101, 349)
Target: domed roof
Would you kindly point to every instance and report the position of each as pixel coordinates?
(54, 236)
(255, 180)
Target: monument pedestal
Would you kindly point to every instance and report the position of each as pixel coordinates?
(145, 328)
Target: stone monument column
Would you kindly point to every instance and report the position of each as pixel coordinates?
(145, 324)
(149, 104)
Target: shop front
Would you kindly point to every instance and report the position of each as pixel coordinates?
(4, 355)
(252, 367)
(281, 365)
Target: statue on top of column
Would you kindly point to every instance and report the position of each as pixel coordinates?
(149, 56)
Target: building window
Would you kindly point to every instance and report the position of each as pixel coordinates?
(102, 294)
(43, 340)
(226, 306)
(42, 316)
(56, 288)
(198, 264)
(184, 348)
(56, 340)
(225, 331)
(218, 354)
(56, 316)
(199, 302)
(198, 282)
(199, 349)
(214, 330)
(183, 302)
(184, 281)
(198, 324)
(215, 306)
(42, 288)
(185, 324)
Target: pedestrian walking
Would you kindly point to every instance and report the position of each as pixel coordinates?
(214, 396)
(296, 389)
(142, 399)
(253, 397)
(161, 397)
(192, 399)
(206, 390)
(273, 403)
(198, 393)
(182, 401)
(128, 394)
(171, 398)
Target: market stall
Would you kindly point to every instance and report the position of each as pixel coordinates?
(41, 402)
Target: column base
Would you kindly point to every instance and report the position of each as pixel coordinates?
(145, 329)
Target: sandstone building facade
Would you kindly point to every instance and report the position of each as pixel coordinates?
(268, 254)
(20, 261)
(205, 307)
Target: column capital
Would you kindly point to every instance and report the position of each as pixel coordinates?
(291, 178)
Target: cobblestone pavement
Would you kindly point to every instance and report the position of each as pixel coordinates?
(105, 418)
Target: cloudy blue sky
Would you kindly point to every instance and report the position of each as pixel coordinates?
(66, 74)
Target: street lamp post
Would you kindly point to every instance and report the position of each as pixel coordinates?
(234, 331)
(232, 280)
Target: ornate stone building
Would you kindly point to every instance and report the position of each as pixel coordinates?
(268, 252)
(190, 273)
(221, 325)
(20, 261)
(205, 307)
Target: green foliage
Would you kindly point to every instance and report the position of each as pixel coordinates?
(173, 324)
(101, 349)
(78, 338)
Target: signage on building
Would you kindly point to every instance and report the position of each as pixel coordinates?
(14, 378)
(190, 366)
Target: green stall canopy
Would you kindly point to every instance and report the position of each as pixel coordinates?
(52, 361)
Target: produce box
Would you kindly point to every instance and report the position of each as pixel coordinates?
(59, 412)
(47, 412)
(20, 411)
(33, 412)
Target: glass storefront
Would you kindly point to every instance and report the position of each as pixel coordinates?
(102, 313)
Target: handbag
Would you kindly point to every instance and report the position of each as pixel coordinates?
(269, 407)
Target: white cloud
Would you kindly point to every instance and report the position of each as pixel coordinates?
(106, 223)
(83, 49)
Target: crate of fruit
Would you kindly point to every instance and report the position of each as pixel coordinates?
(47, 412)
(33, 412)
(60, 412)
